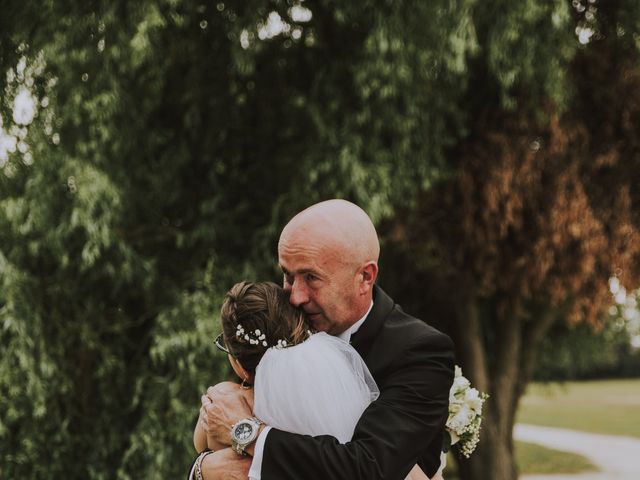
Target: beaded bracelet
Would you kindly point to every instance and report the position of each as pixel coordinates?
(199, 464)
(196, 469)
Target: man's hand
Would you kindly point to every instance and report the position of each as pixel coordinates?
(227, 405)
(225, 465)
(209, 438)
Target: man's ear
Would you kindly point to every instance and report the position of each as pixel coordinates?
(369, 273)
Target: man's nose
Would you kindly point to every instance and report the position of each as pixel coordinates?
(298, 295)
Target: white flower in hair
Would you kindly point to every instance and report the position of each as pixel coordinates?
(239, 330)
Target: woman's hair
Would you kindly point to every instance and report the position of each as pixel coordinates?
(264, 307)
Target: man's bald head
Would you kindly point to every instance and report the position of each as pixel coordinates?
(329, 257)
(338, 224)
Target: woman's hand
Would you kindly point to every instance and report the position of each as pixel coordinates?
(416, 473)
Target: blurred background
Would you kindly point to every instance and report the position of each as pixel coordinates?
(152, 150)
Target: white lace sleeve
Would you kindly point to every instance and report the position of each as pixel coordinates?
(319, 387)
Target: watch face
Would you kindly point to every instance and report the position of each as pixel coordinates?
(242, 432)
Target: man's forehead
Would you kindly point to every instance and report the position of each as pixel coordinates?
(307, 249)
(300, 258)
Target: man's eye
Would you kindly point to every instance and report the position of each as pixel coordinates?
(288, 279)
(311, 277)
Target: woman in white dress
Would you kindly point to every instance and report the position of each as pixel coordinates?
(303, 382)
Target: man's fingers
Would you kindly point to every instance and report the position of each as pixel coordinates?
(204, 423)
(203, 412)
(204, 400)
(211, 392)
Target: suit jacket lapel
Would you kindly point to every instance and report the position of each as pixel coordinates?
(363, 338)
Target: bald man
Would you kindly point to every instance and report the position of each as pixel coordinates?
(328, 254)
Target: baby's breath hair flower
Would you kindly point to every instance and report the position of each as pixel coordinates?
(239, 330)
(257, 337)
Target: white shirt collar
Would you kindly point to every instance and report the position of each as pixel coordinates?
(346, 335)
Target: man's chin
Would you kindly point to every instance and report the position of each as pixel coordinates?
(318, 322)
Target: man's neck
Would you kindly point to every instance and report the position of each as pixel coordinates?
(346, 335)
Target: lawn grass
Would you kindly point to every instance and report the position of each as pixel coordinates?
(532, 458)
(603, 406)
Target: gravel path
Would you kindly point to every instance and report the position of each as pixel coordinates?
(618, 458)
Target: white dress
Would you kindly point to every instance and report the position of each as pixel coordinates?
(319, 387)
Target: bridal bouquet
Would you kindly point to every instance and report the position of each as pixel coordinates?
(465, 414)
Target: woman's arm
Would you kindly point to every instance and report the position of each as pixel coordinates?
(201, 437)
(225, 464)
(199, 433)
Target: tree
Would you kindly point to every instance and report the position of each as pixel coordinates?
(166, 144)
(541, 210)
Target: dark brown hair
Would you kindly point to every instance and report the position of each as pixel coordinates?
(260, 306)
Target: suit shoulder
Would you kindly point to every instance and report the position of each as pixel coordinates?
(412, 329)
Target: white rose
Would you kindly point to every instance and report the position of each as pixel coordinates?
(460, 384)
(461, 419)
(472, 398)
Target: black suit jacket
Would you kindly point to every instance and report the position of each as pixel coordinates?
(413, 365)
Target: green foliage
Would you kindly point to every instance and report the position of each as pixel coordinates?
(579, 353)
(169, 143)
(527, 46)
(168, 146)
(184, 363)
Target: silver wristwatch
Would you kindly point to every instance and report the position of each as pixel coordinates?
(244, 433)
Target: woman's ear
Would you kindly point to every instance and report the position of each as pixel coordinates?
(240, 370)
